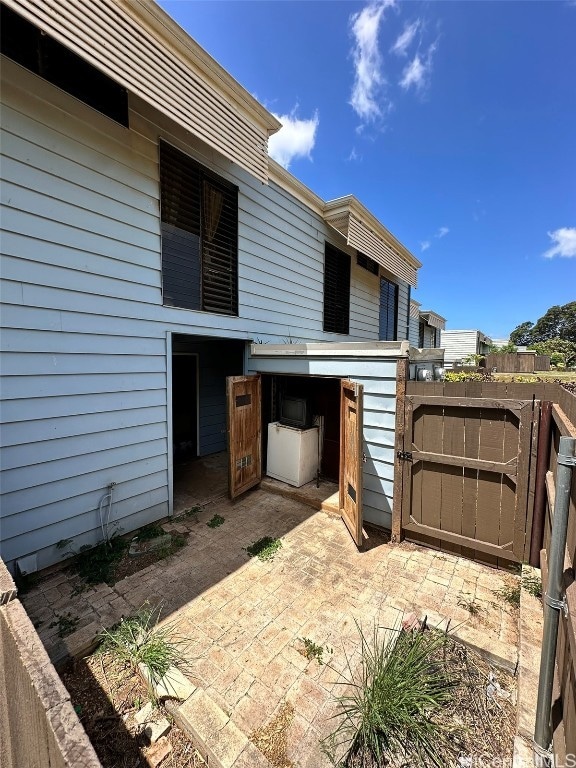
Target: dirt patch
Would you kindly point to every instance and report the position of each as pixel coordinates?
(107, 694)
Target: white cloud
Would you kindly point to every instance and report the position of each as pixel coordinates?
(424, 245)
(417, 72)
(404, 40)
(369, 78)
(564, 240)
(296, 138)
(353, 155)
(442, 232)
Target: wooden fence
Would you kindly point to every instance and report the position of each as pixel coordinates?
(486, 402)
(524, 362)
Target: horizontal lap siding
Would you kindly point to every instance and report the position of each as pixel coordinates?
(458, 344)
(84, 330)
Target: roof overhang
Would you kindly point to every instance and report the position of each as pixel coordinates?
(333, 349)
(433, 319)
(138, 45)
(366, 234)
(414, 308)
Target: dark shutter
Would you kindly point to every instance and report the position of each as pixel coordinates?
(367, 263)
(388, 310)
(199, 236)
(336, 290)
(219, 248)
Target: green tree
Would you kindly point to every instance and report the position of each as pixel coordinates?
(505, 349)
(559, 322)
(522, 334)
(561, 351)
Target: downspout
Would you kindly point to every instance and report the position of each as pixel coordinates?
(553, 601)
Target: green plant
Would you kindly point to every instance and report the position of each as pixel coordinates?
(215, 521)
(510, 593)
(532, 585)
(138, 640)
(66, 624)
(394, 701)
(313, 651)
(265, 548)
(473, 608)
(96, 565)
(150, 532)
(177, 541)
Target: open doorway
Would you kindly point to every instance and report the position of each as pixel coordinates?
(320, 399)
(200, 366)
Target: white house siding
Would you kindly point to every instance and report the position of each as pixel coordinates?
(379, 380)
(84, 342)
(458, 344)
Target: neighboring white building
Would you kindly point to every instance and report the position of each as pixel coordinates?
(147, 241)
(461, 344)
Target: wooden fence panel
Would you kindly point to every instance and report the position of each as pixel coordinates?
(542, 363)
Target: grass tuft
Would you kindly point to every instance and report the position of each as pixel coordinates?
(393, 703)
(265, 548)
(215, 521)
(96, 565)
(138, 639)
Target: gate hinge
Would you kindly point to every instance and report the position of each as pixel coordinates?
(405, 455)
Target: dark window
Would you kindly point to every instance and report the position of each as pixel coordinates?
(367, 263)
(388, 310)
(41, 54)
(336, 290)
(199, 235)
(421, 334)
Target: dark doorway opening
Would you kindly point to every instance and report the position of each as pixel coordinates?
(322, 395)
(184, 406)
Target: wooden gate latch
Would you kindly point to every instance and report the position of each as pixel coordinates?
(404, 455)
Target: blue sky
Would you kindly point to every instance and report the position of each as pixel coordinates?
(453, 122)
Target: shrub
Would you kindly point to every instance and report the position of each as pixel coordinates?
(393, 701)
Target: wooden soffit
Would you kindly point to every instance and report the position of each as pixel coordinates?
(140, 47)
(366, 234)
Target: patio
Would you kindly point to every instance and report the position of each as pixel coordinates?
(246, 618)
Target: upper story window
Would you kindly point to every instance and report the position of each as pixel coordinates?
(46, 57)
(388, 310)
(199, 213)
(336, 290)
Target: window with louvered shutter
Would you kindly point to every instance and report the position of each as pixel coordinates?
(336, 290)
(367, 263)
(199, 236)
(388, 310)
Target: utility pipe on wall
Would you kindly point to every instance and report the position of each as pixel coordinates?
(553, 600)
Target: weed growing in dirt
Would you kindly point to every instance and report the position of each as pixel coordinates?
(473, 608)
(265, 548)
(177, 541)
(96, 565)
(215, 521)
(393, 700)
(150, 532)
(66, 624)
(138, 639)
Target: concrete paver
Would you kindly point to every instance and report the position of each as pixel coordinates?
(245, 619)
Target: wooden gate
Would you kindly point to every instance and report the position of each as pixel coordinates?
(464, 467)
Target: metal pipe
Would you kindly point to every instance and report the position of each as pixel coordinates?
(553, 600)
(542, 463)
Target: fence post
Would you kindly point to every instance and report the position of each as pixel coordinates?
(553, 600)
(402, 375)
(542, 462)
